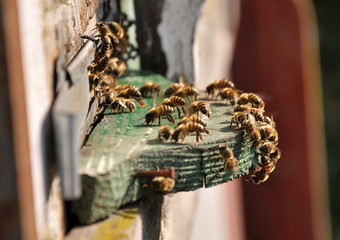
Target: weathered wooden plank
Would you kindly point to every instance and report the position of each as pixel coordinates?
(121, 145)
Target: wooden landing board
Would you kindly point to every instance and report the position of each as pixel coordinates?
(121, 145)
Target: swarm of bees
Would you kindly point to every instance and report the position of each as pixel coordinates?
(248, 116)
(248, 108)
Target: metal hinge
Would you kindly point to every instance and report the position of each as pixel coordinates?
(69, 116)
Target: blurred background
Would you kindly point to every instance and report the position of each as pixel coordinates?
(329, 40)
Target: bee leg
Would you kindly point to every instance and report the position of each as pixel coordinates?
(159, 120)
(184, 111)
(171, 119)
(201, 137)
(179, 112)
(197, 137)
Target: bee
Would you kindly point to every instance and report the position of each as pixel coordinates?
(179, 133)
(198, 128)
(98, 65)
(229, 94)
(116, 29)
(150, 87)
(276, 155)
(241, 108)
(267, 148)
(199, 106)
(158, 112)
(243, 99)
(188, 91)
(268, 133)
(223, 83)
(164, 132)
(105, 47)
(93, 80)
(211, 89)
(227, 155)
(259, 176)
(252, 130)
(116, 67)
(193, 118)
(105, 86)
(239, 119)
(161, 184)
(122, 103)
(267, 164)
(174, 102)
(104, 30)
(256, 101)
(131, 92)
(251, 98)
(173, 88)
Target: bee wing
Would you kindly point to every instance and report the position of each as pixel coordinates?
(157, 100)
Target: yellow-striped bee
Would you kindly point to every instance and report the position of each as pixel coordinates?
(131, 92)
(115, 67)
(260, 176)
(173, 88)
(252, 130)
(161, 184)
(188, 91)
(227, 155)
(150, 87)
(223, 83)
(229, 94)
(199, 106)
(158, 112)
(193, 118)
(267, 148)
(267, 164)
(251, 98)
(211, 89)
(164, 132)
(276, 155)
(239, 119)
(268, 133)
(175, 101)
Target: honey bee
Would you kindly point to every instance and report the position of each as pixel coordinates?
(256, 101)
(122, 103)
(193, 118)
(267, 164)
(105, 47)
(179, 133)
(259, 176)
(131, 92)
(116, 29)
(151, 87)
(276, 155)
(174, 102)
(116, 67)
(268, 133)
(164, 132)
(229, 94)
(251, 98)
(93, 80)
(252, 130)
(223, 83)
(227, 155)
(188, 91)
(239, 119)
(158, 112)
(98, 65)
(161, 184)
(267, 148)
(199, 106)
(104, 30)
(241, 108)
(172, 89)
(198, 128)
(211, 89)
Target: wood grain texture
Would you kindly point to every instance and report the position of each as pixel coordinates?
(121, 145)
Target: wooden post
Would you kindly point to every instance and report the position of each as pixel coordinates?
(276, 54)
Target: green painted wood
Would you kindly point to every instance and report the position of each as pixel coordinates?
(121, 145)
